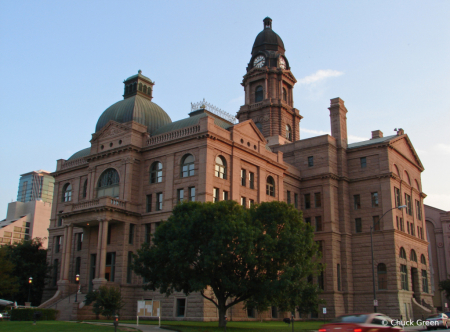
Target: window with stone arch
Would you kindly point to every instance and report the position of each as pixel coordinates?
(156, 172)
(67, 193)
(259, 93)
(396, 171)
(144, 90)
(407, 178)
(402, 253)
(221, 167)
(187, 166)
(270, 186)
(413, 256)
(382, 276)
(85, 188)
(417, 185)
(108, 183)
(423, 260)
(140, 86)
(288, 132)
(284, 95)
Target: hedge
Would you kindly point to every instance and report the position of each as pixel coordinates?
(27, 314)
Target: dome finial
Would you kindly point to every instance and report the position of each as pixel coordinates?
(267, 23)
(139, 71)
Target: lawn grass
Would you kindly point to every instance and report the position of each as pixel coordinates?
(47, 326)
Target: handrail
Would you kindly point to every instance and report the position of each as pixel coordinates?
(56, 303)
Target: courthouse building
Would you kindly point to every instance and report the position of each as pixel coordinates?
(110, 197)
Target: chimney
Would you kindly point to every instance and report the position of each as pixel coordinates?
(377, 134)
(400, 132)
(338, 121)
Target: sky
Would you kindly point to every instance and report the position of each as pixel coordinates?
(62, 63)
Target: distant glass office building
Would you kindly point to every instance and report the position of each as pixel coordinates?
(36, 185)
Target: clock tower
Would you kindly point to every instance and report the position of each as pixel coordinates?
(269, 86)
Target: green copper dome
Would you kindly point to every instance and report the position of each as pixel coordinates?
(135, 108)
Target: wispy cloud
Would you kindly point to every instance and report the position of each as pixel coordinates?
(320, 75)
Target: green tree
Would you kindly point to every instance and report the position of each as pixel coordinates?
(444, 285)
(8, 281)
(107, 301)
(229, 254)
(29, 260)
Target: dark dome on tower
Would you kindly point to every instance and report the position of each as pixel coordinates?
(268, 39)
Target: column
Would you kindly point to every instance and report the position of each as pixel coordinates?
(68, 247)
(102, 257)
(99, 248)
(63, 256)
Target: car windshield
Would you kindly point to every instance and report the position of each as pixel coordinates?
(351, 319)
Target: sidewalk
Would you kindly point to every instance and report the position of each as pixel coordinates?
(141, 327)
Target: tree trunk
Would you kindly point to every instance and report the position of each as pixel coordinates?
(222, 313)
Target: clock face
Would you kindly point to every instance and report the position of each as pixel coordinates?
(259, 61)
(282, 63)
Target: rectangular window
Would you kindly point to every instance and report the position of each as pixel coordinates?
(308, 220)
(398, 223)
(320, 246)
(319, 226)
(243, 176)
(129, 270)
(376, 224)
(148, 203)
(192, 194)
(407, 225)
(307, 201)
(317, 200)
(243, 202)
(320, 281)
(296, 201)
(408, 204)
(159, 201)
(358, 225)
(79, 241)
(180, 195)
(398, 197)
(424, 281)
(59, 221)
(77, 266)
(58, 242)
(288, 198)
(251, 202)
(418, 210)
(375, 199)
(251, 313)
(251, 180)
(157, 225)
(363, 162)
(402, 225)
(274, 312)
(356, 202)
(215, 195)
(110, 266)
(225, 195)
(131, 234)
(108, 237)
(181, 307)
(55, 272)
(148, 232)
(310, 161)
(404, 275)
(338, 277)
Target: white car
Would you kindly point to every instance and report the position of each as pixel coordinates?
(437, 320)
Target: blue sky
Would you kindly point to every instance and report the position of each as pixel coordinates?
(62, 63)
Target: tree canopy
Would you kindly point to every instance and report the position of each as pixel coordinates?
(107, 301)
(8, 281)
(231, 254)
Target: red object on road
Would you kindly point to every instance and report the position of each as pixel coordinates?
(361, 323)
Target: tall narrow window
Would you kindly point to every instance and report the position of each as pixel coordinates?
(358, 225)
(148, 203)
(108, 184)
(148, 232)
(418, 210)
(192, 194)
(424, 281)
(318, 200)
(181, 307)
(259, 94)
(156, 172)
(288, 132)
(319, 226)
(363, 162)
(187, 166)
(320, 280)
(296, 200)
(338, 272)
(79, 241)
(310, 161)
(67, 193)
(402, 225)
(251, 180)
(131, 234)
(288, 197)
(225, 195)
(243, 177)
(423, 260)
(77, 266)
(374, 199)
(110, 266)
(413, 256)
(251, 202)
(180, 195)
(59, 220)
(404, 277)
(408, 204)
(307, 201)
(382, 276)
(270, 187)
(398, 197)
(58, 242)
(356, 202)
(129, 269)
(85, 189)
(402, 253)
(221, 167)
(109, 234)
(284, 95)
(243, 202)
(215, 195)
(376, 223)
(308, 220)
(159, 201)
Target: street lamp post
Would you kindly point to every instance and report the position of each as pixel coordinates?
(371, 247)
(77, 279)
(30, 281)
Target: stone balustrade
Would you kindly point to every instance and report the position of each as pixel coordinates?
(105, 202)
(173, 135)
(72, 163)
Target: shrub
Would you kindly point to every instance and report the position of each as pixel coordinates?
(27, 314)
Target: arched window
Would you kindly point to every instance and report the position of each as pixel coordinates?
(144, 89)
(284, 95)
(407, 178)
(140, 86)
(221, 167)
(259, 126)
(149, 91)
(413, 256)
(85, 189)
(187, 166)
(382, 276)
(417, 185)
(270, 186)
(67, 193)
(126, 89)
(156, 172)
(423, 260)
(402, 253)
(288, 132)
(259, 93)
(134, 86)
(108, 183)
(396, 171)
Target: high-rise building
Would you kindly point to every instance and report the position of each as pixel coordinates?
(36, 185)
